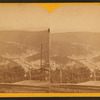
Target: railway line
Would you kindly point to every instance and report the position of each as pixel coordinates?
(13, 88)
(54, 88)
(75, 89)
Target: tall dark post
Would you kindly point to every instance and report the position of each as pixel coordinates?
(41, 56)
(94, 74)
(49, 60)
(41, 63)
(30, 76)
(41, 78)
(60, 74)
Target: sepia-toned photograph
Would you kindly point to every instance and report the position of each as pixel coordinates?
(24, 49)
(75, 49)
(42, 52)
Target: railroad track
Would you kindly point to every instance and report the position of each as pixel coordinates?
(75, 89)
(60, 88)
(13, 88)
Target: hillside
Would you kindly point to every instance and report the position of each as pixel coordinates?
(81, 47)
(85, 38)
(30, 38)
(19, 46)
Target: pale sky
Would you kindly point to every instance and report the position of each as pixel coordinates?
(73, 18)
(23, 17)
(68, 18)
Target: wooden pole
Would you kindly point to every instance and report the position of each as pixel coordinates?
(30, 76)
(49, 60)
(94, 75)
(41, 56)
(60, 74)
(41, 60)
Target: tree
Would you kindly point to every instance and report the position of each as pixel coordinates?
(71, 75)
(12, 74)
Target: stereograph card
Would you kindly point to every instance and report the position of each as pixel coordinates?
(49, 49)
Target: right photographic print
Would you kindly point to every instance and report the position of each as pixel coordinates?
(75, 49)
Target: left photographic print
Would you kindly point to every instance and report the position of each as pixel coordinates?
(24, 49)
